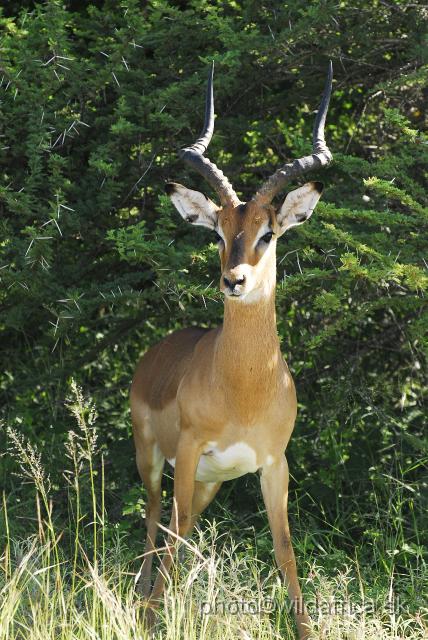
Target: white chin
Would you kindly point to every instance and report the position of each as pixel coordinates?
(246, 298)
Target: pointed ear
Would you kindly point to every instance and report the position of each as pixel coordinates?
(299, 205)
(193, 206)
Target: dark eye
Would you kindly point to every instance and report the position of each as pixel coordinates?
(217, 237)
(267, 237)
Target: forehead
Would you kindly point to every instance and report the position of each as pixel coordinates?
(247, 217)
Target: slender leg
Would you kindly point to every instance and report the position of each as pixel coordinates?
(274, 482)
(150, 464)
(203, 495)
(186, 462)
(153, 516)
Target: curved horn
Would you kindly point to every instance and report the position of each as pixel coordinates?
(194, 157)
(321, 155)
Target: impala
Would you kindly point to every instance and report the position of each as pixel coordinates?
(220, 403)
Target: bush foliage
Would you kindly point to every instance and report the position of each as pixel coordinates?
(96, 265)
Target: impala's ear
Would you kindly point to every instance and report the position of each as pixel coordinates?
(299, 205)
(193, 206)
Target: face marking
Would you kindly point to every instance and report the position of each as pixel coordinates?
(248, 233)
(245, 269)
(237, 250)
(265, 229)
(220, 233)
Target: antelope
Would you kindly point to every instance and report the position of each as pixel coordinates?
(221, 403)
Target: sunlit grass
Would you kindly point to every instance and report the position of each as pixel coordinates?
(78, 579)
(217, 594)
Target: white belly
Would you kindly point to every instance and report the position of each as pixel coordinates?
(216, 465)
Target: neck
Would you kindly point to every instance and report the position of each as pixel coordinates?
(248, 348)
(245, 322)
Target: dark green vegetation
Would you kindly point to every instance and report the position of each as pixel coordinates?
(96, 265)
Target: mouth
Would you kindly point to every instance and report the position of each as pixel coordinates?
(233, 294)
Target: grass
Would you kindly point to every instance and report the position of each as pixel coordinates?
(76, 579)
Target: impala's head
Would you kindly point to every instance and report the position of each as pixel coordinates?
(247, 232)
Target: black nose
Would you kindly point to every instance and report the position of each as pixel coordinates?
(231, 284)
